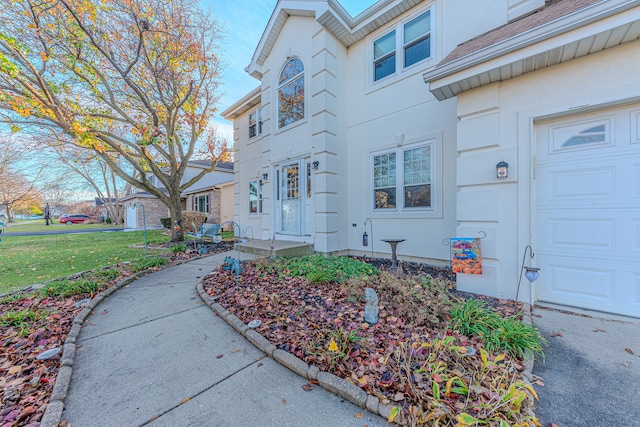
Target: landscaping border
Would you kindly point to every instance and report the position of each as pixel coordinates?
(326, 380)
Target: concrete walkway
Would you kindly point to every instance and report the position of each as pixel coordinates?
(154, 353)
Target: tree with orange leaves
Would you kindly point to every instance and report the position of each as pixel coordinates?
(134, 81)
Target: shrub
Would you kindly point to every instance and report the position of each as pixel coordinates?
(191, 219)
(108, 221)
(166, 222)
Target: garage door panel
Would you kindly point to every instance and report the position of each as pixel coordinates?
(635, 183)
(575, 280)
(635, 127)
(580, 184)
(572, 231)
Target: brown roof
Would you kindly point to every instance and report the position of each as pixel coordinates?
(550, 12)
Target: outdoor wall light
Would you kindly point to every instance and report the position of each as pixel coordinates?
(316, 164)
(265, 176)
(502, 169)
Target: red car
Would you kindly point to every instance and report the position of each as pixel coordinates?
(74, 219)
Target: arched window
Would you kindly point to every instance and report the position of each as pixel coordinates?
(291, 93)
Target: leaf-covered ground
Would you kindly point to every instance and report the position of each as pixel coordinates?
(409, 359)
(31, 323)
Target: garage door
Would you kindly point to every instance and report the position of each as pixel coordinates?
(587, 215)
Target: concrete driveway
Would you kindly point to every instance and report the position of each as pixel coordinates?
(591, 374)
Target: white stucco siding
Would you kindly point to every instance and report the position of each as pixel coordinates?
(499, 122)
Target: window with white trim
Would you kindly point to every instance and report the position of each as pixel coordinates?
(291, 93)
(255, 123)
(201, 203)
(255, 196)
(402, 178)
(407, 44)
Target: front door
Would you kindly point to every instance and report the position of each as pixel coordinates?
(290, 198)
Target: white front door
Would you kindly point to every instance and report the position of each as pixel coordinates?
(587, 216)
(291, 192)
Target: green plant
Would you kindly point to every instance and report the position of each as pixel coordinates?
(21, 319)
(153, 262)
(66, 288)
(108, 221)
(472, 317)
(318, 268)
(166, 222)
(179, 248)
(338, 346)
(437, 377)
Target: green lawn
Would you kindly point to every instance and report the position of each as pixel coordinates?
(25, 260)
(39, 225)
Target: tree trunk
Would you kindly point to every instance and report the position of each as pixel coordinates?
(175, 210)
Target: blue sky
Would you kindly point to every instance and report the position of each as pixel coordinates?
(243, 22)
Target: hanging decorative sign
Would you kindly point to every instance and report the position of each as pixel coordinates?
(465, 255)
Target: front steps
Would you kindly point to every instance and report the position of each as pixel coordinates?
(281, 248)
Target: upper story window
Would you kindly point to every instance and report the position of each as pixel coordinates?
(407, 44)
(291, 93)
(402, 178)
(255, 123)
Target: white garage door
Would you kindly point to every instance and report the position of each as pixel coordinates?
(588, 211)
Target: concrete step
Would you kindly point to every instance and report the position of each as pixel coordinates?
(281, 248)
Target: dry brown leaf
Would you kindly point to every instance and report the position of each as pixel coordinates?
(185, 400)
(358, 415)
(628, 350)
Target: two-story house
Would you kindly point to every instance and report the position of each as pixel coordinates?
(398, 118)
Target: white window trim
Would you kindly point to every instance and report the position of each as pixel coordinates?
(401, 71)
(435, 179)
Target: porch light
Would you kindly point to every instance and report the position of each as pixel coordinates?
(502, 169)
(529, 271)
(316, 164)
(265, 176)
(532, 273)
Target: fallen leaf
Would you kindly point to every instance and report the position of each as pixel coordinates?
(15, 369)
(284, 402)
(626, 365)
(393, 414)
(599, 330)
(185, 400)
(220, 356)
(307, 387)
(359, 415)
(555, 334)
(628, 350)
(539, 382)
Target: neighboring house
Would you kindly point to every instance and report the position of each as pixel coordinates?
(402, 114)
(203, 196)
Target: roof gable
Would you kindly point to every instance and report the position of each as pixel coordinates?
(331, 15)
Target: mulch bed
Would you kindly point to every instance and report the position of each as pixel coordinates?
(304, 319)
